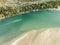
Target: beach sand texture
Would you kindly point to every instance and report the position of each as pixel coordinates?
(49, 36)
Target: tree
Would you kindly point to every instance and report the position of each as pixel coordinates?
(0, 0)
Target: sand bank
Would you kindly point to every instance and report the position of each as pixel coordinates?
(50, 36)
(58, 7)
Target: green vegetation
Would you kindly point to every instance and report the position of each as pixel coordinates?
(12, 10)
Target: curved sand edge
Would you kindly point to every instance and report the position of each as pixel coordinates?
(51, 36)
(23, 36)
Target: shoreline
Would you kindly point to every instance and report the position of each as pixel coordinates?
(32, 34)
(14, 42)
(4, 17)
(26, 6)
(22, 36)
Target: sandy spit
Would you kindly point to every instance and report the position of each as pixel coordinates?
(49, 36)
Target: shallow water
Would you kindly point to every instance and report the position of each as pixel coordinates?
(17, 25)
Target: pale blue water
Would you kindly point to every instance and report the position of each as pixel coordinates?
(17, 25)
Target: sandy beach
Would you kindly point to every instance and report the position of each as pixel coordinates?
(48, 36)
(58, 7)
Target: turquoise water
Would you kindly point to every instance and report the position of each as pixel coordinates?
(17, 25)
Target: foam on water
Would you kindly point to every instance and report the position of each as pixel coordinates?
(14, 21)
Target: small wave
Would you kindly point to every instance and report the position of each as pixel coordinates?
(14, 21)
